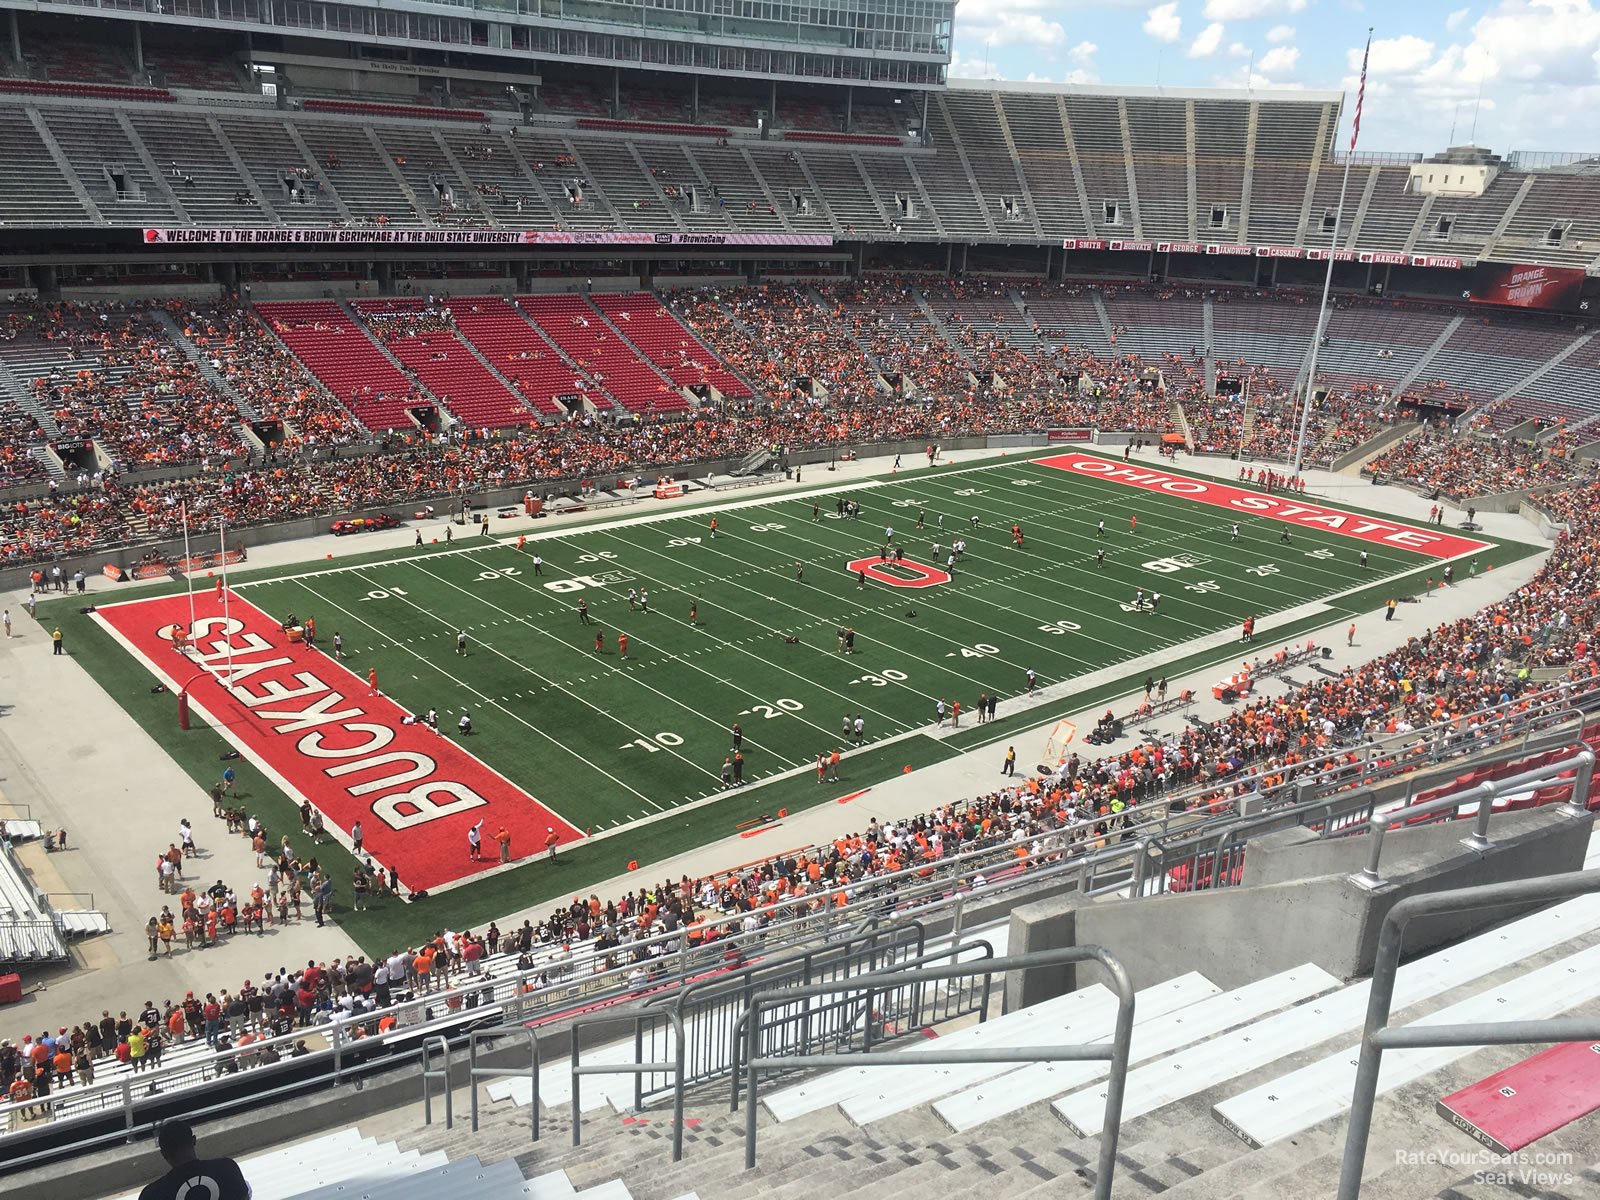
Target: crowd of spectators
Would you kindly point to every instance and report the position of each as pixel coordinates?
(274, 383)
(109, 373)
(856, 348)
(1460, 467)
(916, 358)
(1448, 672)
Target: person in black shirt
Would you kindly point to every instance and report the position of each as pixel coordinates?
(191, 1175)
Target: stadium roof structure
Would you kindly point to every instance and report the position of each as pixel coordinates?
(1031, 87)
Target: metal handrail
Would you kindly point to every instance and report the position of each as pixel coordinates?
(736, 1057)
(475, 1072)
(1116, 1052)
(1050, 857)
(1582, 763)
(636, 1069)
(1377, 1035)
(868, 931)
(431, 1075)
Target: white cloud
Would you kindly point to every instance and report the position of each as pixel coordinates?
(1403, 55)
(1279, 34)
(1529, 70)
(1238, 50)
(1083, 65)
(1280, 60)
(1457, 19)
(1011, 23)
(1207, 43)
(1163, 23)
(1250, 10)
(964, 67)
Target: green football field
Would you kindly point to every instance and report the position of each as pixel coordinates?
(605, 740)
(610, 744)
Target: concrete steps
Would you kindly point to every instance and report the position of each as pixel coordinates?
(1176, 1149)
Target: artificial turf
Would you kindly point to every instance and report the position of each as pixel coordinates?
(607, 743)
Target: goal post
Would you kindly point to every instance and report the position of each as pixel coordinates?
(1055, 747)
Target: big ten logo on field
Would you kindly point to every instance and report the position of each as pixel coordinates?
(903, 573)
(579, 583)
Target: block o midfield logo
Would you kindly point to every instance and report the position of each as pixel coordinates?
(905, 573)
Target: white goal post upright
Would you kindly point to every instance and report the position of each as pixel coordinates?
(183, 510)
(1055, 746)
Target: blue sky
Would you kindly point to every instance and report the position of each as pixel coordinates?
(1529, 70)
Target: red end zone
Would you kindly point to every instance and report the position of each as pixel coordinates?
(1434, 542)
(316, 729)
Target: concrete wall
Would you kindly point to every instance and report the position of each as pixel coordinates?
(254, 1128)
(1297, 905)
(132, 292)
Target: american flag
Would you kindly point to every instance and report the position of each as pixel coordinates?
(1361, 92)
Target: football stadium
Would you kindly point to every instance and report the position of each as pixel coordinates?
(665, 600)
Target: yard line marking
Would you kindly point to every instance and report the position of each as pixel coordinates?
(481, 697)
(737, 688)
(816, 618)
(667, 696)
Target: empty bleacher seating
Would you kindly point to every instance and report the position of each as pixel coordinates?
(572, 324)
(336, 350)
(845, 139)
(665, 128)
(675, 351)
(448, 368)
(85, 91)
(28, 932)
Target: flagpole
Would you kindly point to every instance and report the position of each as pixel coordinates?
(1309, 390)
(188, 572)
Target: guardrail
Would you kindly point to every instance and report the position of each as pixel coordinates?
(1150, 845)
(1377, 1035)
(710, 1003)
(909, 1008)
(818, 1026)
(638, 1069)
(1115, 1052)
(1581, 763)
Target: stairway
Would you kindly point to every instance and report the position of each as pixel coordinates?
(1105, 317)
(1270, 1061)
(638, 351)
(1421, 364)
(1548, 365)
(51, 463)
(213, 376)
(1181, 420)
(64, 165)
(866, 355)
(22, 396)
(162, 181)
(939, 326)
